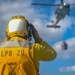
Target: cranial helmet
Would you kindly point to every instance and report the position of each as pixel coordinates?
(18, 26)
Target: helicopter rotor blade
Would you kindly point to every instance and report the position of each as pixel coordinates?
(72, 4)
(45, 4)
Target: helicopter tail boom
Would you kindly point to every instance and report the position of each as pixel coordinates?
(54, 25)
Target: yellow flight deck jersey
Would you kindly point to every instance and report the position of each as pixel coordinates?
(20, 57)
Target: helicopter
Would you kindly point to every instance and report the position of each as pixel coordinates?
(62, 10)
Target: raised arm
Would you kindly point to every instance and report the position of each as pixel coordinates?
(42, 50)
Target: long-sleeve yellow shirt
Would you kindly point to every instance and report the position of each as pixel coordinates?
(19, 50)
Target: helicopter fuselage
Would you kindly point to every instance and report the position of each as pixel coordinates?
(62, 11)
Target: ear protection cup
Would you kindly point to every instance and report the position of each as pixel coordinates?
(29, 33)
(29, 29)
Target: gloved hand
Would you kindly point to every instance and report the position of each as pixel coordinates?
(35, 34)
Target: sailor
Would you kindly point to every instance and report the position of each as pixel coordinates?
(18, 56)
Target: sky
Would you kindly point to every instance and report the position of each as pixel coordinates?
(40, 16)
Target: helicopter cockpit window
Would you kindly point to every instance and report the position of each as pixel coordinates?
(57, 11)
